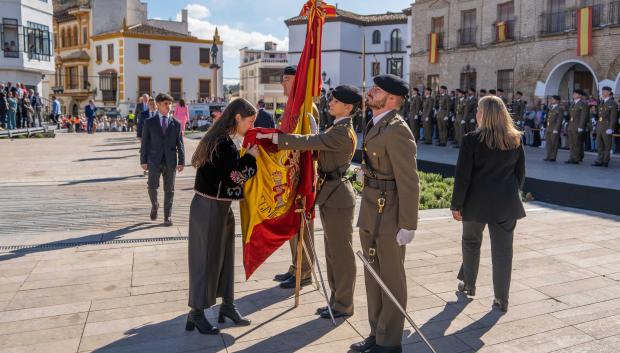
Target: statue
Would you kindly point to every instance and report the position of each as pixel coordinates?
(214, 51)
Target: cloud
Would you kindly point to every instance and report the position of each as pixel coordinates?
(234, 38)
(198, 11)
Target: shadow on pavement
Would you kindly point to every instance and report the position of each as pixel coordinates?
(103, 180)
(103, 158)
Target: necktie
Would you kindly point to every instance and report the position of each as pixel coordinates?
(164, 124)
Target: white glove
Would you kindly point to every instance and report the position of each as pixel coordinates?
(609, 131)
(446, 118)
(556, 132)
(472, 121)
(462, 121)
(579, 129)
(360, 174)
(426, 119)
(416, 117)
(404, 237)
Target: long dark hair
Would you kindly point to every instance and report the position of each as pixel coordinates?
(224, 126)
(182, 102)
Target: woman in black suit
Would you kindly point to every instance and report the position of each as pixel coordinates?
(220, 175)
(489, 174)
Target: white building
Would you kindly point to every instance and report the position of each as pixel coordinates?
(27, 54)
(146, 59)
(261, 75)
(387, 38)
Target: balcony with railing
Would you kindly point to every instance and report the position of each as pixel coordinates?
(108, 95)
(613, 13)
(467, 36)
(558, 22)
(440, 41)
(509, 32)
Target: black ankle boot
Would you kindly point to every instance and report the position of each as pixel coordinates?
(500, 304)
(196, 319)
(230, 311)
(471, 291)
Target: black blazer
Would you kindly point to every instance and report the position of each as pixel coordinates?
(224, 177)
(487, 182)
(264, 119)
(157, 147)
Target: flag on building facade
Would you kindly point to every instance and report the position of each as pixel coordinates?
(584, 31)
(285, 180)
(433, 48)
(502, 28)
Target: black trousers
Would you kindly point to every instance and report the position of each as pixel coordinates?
(501, 254)
(168, 173)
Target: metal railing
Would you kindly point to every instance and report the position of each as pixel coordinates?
(613, 13)
(467, 36)
(440, 41)
(558, 22)
(108, 95)
(510, 30)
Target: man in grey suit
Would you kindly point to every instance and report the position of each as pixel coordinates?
(162, 153)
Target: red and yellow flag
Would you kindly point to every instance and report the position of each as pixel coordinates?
(584, 31)
(433, 48)
(501, 31)
(285, 180)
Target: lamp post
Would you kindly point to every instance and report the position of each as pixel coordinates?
(326, 81)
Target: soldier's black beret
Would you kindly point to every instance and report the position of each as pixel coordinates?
(429, 89)
(443, 87)
(392, 84)
(579, 92)
(500, 90)
(557, 98)
(460, 90)
(416, 89)
(607, 88)
(290, 70)
(347, 94)
(483, 91)
(473, 90)
(492, 91)
(519, 93)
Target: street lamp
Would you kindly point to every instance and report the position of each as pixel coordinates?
(326, 81)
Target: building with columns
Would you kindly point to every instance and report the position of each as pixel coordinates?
(261, 75)
(536, 53)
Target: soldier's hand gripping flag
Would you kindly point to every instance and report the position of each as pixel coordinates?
(285, 180)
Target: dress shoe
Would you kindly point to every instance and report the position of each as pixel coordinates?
(471, 291)
(320, 310)
(168, 222)
(290, 283)
(549, 160)
(383, 349)
(196, 319)
(606, 165)
(597, 164)
(154, 209)
(325, 314)
(364, 345)
(231, 312)
(500, 304)
(571, 162)
(282, 276)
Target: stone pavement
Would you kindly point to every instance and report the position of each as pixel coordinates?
(104, 278)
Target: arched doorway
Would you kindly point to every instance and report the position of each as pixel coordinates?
(75, 110)
(569, 76)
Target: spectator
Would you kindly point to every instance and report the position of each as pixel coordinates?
(12, 103)
(37, 105)
(4, 107)
(55, 114)
(90, 112)
(27, 111)
(181, 113)
(264, 119)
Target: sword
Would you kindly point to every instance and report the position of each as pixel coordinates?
(392, 298)
(318, 267)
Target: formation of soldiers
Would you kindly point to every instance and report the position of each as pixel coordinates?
(449, 116)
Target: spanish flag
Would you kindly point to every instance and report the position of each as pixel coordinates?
(285, 180)
(501, 31)
(584, 31)
(433, 48)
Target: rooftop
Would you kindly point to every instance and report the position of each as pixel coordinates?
(351, 17)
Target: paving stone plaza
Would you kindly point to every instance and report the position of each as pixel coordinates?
(83, 269)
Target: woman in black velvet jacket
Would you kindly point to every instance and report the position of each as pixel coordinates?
(220, 175)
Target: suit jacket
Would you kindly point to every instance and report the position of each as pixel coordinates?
(90, 112)
(264, 119)
(142, 116)
(158, 147)
(4, 103)
(391, 153)
(555, 118)
(336, 147)
(579, 116)
(487, 182)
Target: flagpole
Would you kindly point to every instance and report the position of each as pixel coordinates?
(363, 79)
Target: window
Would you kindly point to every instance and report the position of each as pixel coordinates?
(395, 41)
(10, 39)
(597, 10)
(205, 55)
(175, 54)
(144, 52)
(69, 38)
(376, 37)
(75, 36)
(72, 77)
(376, 68)
(37, 40)
(468, 78)
(395, 66)
(108, 85)
(84, 35)
(505, 80)
(505, 14)
(432, 82)
(437, 27)
(270, 76)
(110, 53)
(176, 88)
(144, 85)
(467, 33)
(204, 89)
(63, 42)
(98, 53)
(85, 82)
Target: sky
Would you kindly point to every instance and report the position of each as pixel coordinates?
(250, 23)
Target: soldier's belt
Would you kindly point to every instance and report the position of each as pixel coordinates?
(380, 184)
(331, 176)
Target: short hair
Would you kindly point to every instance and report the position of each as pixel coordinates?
(162, 97)
(492, 91)
(429, 89)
